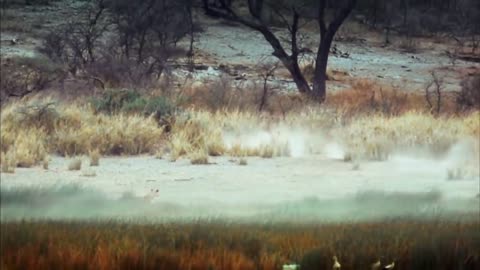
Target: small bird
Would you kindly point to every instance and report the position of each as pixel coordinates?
(389, 267)
(336, 264)
(376, 265)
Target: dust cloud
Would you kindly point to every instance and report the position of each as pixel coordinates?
(311, 183)
(76, 203)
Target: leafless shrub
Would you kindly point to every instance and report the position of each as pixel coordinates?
(474, 42)
(350, 31)
(54, 44)
(267, 71)
(121, 72)
(148, 32)
(389, 102)
(76, 42)
(436, 93)
(286, 103)
(23, 75)
(409, 44)
(453, 54)
(220, 93)
(133, 43)
(42, 115)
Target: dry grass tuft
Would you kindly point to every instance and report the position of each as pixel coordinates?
(72, 130)
(243, 162)
(199, 133)
(45, 162)
(89, 173)
(367, 96)
(220, 95)
(455, 174)
(8, 162)
(199, 158)
(75, 164)
(94, 157)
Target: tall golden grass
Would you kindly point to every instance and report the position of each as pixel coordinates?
(221, 245)
(72, 130)
(28, 136)
(375, 136)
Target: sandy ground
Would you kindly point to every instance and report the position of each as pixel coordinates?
(263, 185)
(261, 180)
(244, 49)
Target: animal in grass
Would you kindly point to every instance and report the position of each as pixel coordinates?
(389, 266)
(290, 267)
(336, 264)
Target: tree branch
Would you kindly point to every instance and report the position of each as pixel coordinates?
(321, 18)
(231, 15)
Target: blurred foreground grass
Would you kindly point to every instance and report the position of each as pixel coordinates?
(208, 244)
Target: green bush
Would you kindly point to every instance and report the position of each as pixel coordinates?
(159, 107)
(129, 101)
(114, 100)
(135, 106)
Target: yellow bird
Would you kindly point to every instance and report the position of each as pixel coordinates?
(336, 264)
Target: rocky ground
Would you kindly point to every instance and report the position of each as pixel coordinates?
(221, 46)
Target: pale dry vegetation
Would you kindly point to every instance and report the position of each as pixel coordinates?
(75, 164)
(94, 157)
(29, 135)
(368, 121)
(376, 136)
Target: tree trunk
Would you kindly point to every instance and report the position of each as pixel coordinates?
(297, 76)
(320, 78)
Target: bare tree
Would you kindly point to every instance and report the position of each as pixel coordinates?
(121, 42)
(297, 12)
(76, 42)
(437, 85)
(22, 76)
(267, 71)
(148, 31)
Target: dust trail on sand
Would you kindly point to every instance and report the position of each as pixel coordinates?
(73, 202)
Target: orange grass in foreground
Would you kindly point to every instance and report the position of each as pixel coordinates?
(219, 245)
